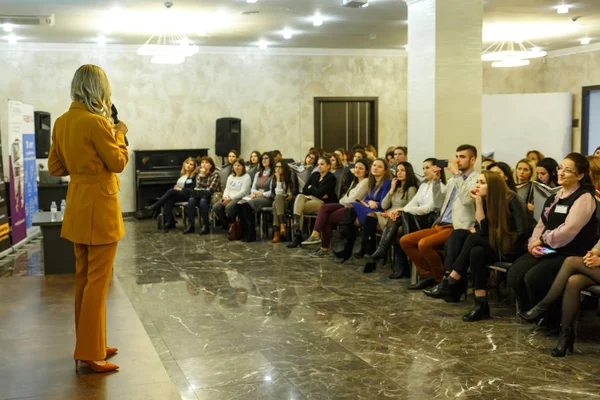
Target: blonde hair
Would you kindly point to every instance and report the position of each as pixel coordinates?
(90, 86)
(192, 159)
(531, 166)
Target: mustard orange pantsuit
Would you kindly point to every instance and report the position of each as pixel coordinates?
(85, 148)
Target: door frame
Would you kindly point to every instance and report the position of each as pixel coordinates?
(585, 114)
(317, 114)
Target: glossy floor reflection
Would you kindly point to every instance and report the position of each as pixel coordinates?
(241, 321)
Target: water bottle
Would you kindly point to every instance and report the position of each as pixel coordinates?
(63, 206)
(53, 211)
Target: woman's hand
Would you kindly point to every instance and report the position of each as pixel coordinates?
(253, 195)
(436, 171)
(530, 207)
(535, 251)
(534, 243)
(394, 215)
(288, 198)
(591, 260)
(176, 188)
(121, 127)
(372, 204)
(394, 184)
(473, 230)
(278, 175)
(225, 201)
(474, 194)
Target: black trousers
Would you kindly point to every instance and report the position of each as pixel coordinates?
(171, 197)
(453, 247)
(477, 254)
(531, 278)
(203, 203)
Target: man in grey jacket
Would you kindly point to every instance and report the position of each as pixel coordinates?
(457, 212)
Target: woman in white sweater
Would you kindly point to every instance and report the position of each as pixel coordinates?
(238, 185)
(333, 213)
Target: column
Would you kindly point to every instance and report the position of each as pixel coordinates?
(444, 76)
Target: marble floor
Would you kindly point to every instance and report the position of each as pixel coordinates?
(260, 321)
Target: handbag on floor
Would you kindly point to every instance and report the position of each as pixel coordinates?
(235, 231)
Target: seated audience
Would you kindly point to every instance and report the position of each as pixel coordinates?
(341, 173)
(597, 152)
(371, 152)
(182, 191)
(546, 172)
(319, 190)
(283, 187)
(237, 186)
(389, 156)
(400, 155)
(534, 156)
(485, 164)
(276, 155)
(500, 234)
(524, 175)
(310, 161)
(333, 213)
(595, 173)
(360, 154)
(343, 156)
(567, 227)
(260, 196)
(378, 186)
(225, 170)
(505, 172)
(575, 275)
(207, 184)
(402, 190)
(457, 212)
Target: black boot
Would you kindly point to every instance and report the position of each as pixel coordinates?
(250, 224)
(480, 311)
(535, 313)
(438, 291)
(190, 229)
(424, 283)
(566, 339)
(346, 253)
(388, 234)
(371, 248)
(205, 230)
(297, 241)
(369, 229)
(455, 290)
(401, 266)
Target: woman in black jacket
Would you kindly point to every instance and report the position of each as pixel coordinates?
(319, 190)
(501, 233)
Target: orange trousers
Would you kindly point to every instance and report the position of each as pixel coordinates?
(422, 246)
(94, 265)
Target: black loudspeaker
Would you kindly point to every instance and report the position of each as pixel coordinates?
(229, 136)
(42, 134)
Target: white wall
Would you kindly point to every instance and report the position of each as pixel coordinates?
(594, 122)
(512, 124)
(170, 107)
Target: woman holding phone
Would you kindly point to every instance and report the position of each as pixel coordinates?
(567, 226)
(89, 148)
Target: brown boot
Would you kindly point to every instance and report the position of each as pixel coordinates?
(276, 237)
(282, 232)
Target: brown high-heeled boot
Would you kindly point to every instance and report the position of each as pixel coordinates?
(111, 350)
(108, 367)
(276, 237)
(282, 232)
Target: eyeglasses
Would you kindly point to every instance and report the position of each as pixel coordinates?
(565, 170)
(265, 158)
(278, 166)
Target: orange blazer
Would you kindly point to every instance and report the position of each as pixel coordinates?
(84, 147)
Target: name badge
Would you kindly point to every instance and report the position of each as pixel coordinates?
(561, 209)
(188, 181)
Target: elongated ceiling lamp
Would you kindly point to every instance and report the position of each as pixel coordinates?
(511, 53)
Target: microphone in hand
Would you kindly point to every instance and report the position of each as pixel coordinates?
(121, 124)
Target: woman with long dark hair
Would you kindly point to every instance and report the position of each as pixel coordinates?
(208, 183)
(567, 227)
(284, 188)
(500, 234)
(505, 172)
(237, 186)
(402, 190)
(546, 172)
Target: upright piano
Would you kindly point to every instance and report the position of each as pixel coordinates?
(156, 171)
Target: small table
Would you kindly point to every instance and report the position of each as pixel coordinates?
(59, 257)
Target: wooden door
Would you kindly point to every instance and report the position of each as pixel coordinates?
(344, 122)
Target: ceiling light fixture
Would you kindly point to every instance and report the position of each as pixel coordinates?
(12, 39)
(7, 27)
(586, 40)
(317, 20)
(564, 9)
(365, 5)
(251, 1)
(263, 44)
(168, 48)
(287, 34)
(511, 53)
(101, 40)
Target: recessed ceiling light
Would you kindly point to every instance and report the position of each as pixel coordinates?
(564, 9)
(586, 41)
(251, 1)
(365, 5)
(101, 40)
(317, 20)
(12, 39)
(406, 47)
(263, 44)
(287, 34)
(7, 27)
(536, 49)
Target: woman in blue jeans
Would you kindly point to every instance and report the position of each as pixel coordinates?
(208, 182)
